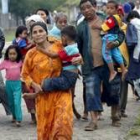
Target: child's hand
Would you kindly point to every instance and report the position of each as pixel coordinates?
(110, 45)
(37, 88)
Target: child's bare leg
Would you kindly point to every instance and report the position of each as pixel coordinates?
(112, 71)
(30, 95)
(124, 71)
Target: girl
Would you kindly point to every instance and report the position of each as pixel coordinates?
(61, 21)
(12, 64)
(21, 40)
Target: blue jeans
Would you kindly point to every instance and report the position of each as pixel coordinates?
(65, 81)
(93, 89)
(113, 53)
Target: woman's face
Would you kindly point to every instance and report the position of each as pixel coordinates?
(39, 35)
(42, 14)
(61, 22)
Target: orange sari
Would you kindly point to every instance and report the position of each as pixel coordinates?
(53, 110)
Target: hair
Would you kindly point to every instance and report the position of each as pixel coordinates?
(93, 2)
(132, 4)
(20, 30)
(131, 15)
(59, 15)
(19, 56)
(113, 2)
(69, 31)
(43, 25)
(44, 10)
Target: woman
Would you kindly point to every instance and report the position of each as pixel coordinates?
(53, 110)
(31, 103)
(45, 15)
(133, 43)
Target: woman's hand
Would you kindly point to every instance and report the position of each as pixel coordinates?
(37, 88)
(77, 60)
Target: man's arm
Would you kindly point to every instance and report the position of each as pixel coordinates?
(79, 39)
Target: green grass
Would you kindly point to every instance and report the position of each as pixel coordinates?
(134, 133)
(9, 35)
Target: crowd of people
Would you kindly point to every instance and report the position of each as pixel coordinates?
(44, 62)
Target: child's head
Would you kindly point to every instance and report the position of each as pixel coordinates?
(131, 15)
(112, 8)
(61, 20)
(21, 32)
(13, 53)
(68, 35)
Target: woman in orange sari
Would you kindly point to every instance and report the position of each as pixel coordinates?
(53, 109)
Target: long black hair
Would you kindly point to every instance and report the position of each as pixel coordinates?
(19, 56)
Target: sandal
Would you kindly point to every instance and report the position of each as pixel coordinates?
(91, 127)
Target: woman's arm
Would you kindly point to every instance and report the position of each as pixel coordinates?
(77, 60)
(25, 73)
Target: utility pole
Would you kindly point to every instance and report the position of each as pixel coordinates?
(4, 4)
(4, 22)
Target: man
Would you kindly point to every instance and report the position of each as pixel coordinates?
(3, 99)
(94, 70)
(2, 42)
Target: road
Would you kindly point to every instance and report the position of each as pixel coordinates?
(105, 132)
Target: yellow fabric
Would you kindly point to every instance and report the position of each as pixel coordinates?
(105, 27)
(53, 110)
(117, 17)
(123, 47)
(53, 39)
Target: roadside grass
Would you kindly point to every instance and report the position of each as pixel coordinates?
(134, 132)
(9, 35)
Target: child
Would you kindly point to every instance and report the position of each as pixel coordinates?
(69, 74)
(12, 64)
(21, 40)
(112, 27)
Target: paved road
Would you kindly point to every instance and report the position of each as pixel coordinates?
(105, 131)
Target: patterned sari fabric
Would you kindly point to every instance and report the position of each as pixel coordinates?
(53, 109)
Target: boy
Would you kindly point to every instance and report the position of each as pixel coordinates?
(111, 27)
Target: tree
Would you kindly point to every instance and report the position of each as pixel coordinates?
(26, 7)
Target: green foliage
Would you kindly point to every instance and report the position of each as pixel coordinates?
(23, 8)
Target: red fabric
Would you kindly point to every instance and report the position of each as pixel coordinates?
(64, 57)
(24, 51)
(110, 22)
